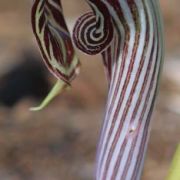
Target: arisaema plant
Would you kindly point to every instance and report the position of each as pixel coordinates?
(129, 35)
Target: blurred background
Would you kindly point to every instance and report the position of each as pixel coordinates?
(60, 141)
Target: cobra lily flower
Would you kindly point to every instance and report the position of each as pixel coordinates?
(129, 35)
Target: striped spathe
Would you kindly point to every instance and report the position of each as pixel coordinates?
(132, 58)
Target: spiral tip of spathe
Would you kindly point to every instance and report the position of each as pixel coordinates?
(91, 37)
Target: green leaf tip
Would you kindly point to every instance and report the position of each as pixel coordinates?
(57, 89)
(174, 173)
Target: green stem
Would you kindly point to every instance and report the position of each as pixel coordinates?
(57, 88)
(174, 173)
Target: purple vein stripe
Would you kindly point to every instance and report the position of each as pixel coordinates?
(129, 36)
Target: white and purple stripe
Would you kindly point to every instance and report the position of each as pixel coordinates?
(132, 60)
